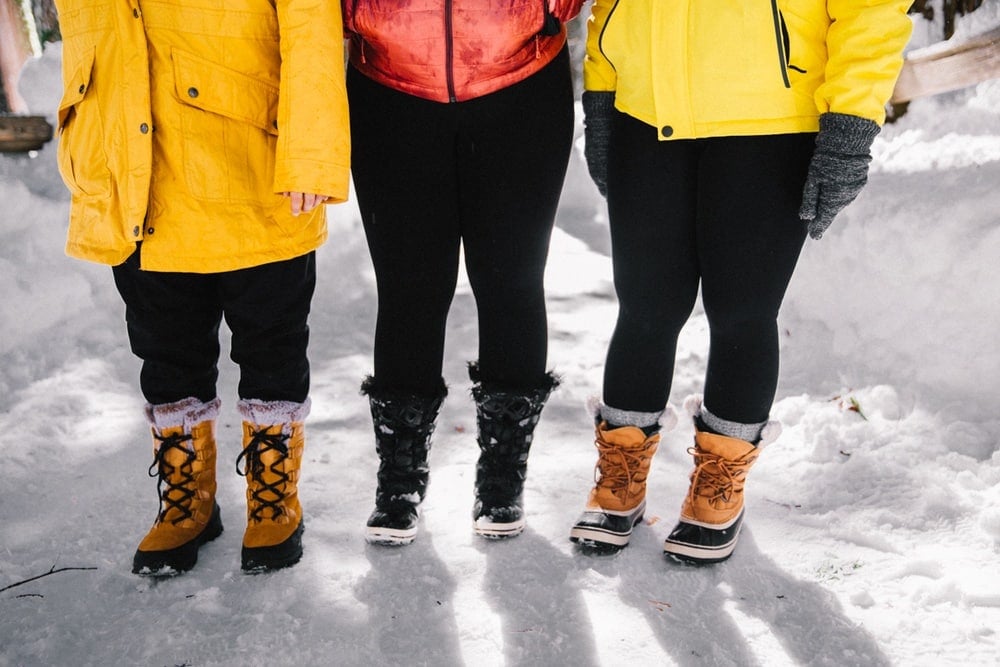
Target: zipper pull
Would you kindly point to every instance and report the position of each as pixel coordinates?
(538, 48)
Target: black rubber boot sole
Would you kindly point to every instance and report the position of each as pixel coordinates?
(702, 544)
(603, 532)
(394, 524)
(257, 560)
(180, 559)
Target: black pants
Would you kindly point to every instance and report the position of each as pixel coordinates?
(721, 213)
(484, 174)
(173, 326)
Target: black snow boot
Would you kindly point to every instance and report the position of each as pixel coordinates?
(403, 427)
(506, 419)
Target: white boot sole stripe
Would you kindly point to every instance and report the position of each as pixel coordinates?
(602, 536)
(483, 522)
(389, 535)
(490, 529)
(700, 553)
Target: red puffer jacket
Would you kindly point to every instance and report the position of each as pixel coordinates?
(453, 50)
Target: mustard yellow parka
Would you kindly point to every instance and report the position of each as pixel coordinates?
(182, 121)
(708, 68)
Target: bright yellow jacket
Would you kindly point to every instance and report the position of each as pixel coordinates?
(706, 68)
(182, 121)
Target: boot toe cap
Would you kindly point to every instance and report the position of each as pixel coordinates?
(273, 557)
(703, 543)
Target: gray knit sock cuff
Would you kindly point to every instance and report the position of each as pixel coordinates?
(629, 417)
(749, 432)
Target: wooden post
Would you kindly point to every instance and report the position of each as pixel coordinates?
(18, 42)
(949, 9)
(46, 20)
(957, 7)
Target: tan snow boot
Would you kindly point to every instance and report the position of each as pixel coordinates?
(184, 464)
(618, 499)
(712, 513)
(273, 442)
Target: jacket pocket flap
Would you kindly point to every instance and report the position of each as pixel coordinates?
(206, 85)
(76, 86)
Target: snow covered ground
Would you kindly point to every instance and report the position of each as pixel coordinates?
(873, 533)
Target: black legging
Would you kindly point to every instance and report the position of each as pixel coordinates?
(722, 213)
(485, 174)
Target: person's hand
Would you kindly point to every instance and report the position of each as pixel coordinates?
(303, 202)
(839, 168)
(598, 108)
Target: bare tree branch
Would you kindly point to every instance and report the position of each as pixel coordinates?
(53, 570)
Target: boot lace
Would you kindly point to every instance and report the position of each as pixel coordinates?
(177, 496)
(265, 495)
(615, 466)
(715, 478)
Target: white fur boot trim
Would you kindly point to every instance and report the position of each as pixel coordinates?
(692, 405)
(185, 413)
(770, 433)
(270, 413)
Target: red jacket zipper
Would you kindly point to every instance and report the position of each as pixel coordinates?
(449, 51)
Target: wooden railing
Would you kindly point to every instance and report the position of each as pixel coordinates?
(946, 66)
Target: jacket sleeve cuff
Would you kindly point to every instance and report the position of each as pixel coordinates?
(321, 178)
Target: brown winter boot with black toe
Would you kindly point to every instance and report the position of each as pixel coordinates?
(618, 499)
(712, 513)
(184, 465)
(273, 442)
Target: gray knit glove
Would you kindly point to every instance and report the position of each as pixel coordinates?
(598, 107)
(839, 168)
